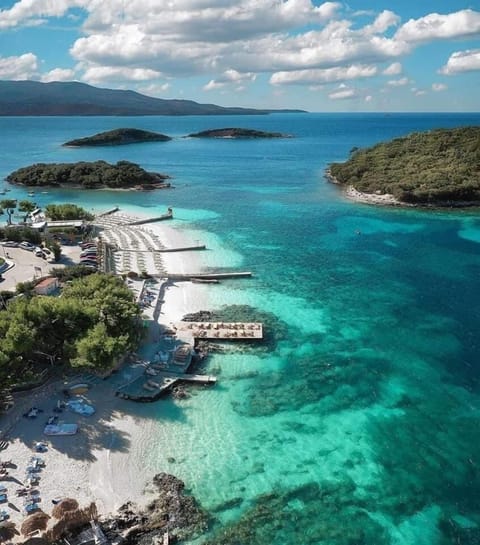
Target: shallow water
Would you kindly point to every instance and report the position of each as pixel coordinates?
(360, 424)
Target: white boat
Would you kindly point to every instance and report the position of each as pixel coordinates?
(60, 429)
(80, 407)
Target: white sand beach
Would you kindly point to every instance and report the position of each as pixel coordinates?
(103, 461)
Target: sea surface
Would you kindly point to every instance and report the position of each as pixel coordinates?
(358, 422)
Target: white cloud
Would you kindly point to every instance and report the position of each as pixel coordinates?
(154, 89)
(230, 77)
(437, 87)
(420, 92)
(393, 69)
(327, 75)
(59, 74)
(398, 82)
(343, 93)
(462, 61)
(383, 22)
(19, 68)
(34, 12)
(461, 24)
(368, 98)
(100, 74)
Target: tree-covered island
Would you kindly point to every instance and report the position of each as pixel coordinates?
(436, 168)
(232, 132)
(118, 137)
(89, 175)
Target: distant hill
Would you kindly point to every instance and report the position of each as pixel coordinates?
(439, 167)
(73, 98)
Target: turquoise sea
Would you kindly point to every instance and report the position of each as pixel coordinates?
(359, 422)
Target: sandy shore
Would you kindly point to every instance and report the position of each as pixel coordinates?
(103, 461)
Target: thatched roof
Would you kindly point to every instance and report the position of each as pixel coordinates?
(71, 520)
(8, 531)
(35, 521)
(65, 505)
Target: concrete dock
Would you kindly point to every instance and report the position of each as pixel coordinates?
(223, 330)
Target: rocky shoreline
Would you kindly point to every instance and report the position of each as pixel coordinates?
(171, 511)
(385, 199)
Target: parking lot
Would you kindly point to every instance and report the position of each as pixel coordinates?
(27, 266)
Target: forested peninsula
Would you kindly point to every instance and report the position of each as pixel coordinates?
(89, 175)
(436, 168)
(118, 137)
(235, 132)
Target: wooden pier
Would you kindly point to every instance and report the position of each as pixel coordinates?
(232, 331)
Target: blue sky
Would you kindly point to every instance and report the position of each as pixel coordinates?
(360, 55)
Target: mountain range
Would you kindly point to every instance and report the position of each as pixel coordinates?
(33, 98)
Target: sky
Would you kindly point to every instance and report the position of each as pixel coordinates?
(360, 55)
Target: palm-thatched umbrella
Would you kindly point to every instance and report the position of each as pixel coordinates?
(7, 531)
(35, 521)
(71, 520)
(63, 506)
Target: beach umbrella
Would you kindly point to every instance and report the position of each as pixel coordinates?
(7, 531)
(35, 521)
(63, 506)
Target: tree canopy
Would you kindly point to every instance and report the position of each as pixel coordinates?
(92, 324)
(67, 211)
(88, 175)
(118, 137)
(435, 167)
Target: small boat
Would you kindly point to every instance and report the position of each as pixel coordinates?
(31, 194)
(60, 429)
(77, 389)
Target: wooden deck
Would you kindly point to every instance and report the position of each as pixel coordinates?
(223, 330)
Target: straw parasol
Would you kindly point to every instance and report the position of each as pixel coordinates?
(70, 520)
(62, 507)
(35, 521)
(7, 531)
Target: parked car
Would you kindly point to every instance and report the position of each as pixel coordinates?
(84, 245)
(39, 252)
(89, 251)
(46, 251)
(10, 244)
(89, 262)
(27, 246)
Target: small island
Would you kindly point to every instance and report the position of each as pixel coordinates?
(89, 175)
(436, 168)
(236, 133)
(118, 137)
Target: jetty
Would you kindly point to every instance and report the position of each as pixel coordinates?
(167, 216)
(232, 331)
(108, 212)
(183, 248)
(210, 276)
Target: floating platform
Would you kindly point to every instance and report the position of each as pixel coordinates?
(231, 331)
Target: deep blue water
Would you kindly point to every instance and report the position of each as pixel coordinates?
(361, 425)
